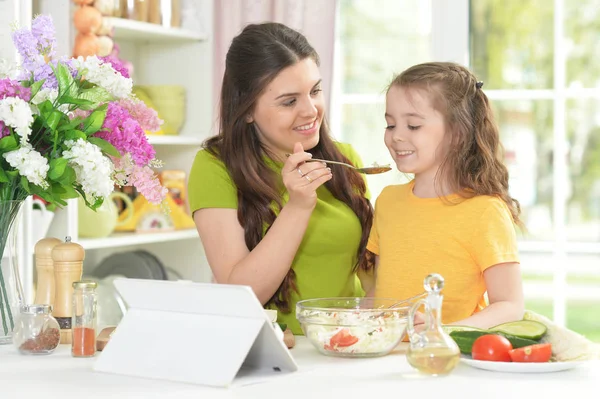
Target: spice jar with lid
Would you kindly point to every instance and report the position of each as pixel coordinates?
(36, 331)
(83, 321)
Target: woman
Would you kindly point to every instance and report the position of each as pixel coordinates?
(267, 218)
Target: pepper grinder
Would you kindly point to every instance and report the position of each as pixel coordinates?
(44, 293)
(68, 268)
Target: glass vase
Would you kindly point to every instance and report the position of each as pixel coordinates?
(11, 290)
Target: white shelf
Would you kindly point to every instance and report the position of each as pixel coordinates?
(126, 239)
(127, 29)
(173, 140)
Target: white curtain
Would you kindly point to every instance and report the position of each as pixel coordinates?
(314, 18)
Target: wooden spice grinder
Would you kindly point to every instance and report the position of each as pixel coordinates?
(68, 268)
(44, 293)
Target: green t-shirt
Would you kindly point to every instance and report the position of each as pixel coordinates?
(327, 254)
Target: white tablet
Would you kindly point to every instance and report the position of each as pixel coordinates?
(193, 332)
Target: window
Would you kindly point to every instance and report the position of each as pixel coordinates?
(374, 43)
(536, 58)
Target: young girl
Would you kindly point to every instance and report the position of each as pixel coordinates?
(456, 217)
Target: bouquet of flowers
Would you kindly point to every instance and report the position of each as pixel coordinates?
(69, 127)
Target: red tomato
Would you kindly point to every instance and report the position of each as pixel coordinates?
(491, 347)
(539, 353)
(343, 338)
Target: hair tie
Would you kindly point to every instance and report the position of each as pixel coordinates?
(479, 84)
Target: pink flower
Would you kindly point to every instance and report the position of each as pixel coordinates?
(117, 65)
(4, 131)
(140, 177)
(146, 117)
(12, 88)
(126, 135)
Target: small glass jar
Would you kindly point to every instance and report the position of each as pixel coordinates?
(83, 322)
(36, 331)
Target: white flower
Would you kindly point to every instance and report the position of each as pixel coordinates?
(47, 94)
(104, 75)
(8, 70)
(16, 113)
(93, 170)
(30, 164)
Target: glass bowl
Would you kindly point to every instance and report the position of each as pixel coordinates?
(352, 326)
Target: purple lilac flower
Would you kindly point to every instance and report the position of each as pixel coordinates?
(44, 33)
(12, 88)
(126, 135)
(26, 45)
(44, 71)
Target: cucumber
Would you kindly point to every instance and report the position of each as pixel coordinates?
(465, 339)
(449, 328)
(523, 328)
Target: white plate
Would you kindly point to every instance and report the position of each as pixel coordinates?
(513, 367)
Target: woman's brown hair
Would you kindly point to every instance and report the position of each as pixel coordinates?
(474, 162)
(256, 56)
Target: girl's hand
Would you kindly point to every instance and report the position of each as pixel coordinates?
(301, 178)
(419, 318)
(419, 322)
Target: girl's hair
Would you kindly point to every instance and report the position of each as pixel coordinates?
(256, 56)
(474, 161)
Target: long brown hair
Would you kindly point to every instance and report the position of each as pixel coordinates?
(256, 56)
(475, 160)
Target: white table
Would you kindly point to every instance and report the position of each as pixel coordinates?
(61, 376)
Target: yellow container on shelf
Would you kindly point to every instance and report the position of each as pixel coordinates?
(149, 217)
(169, 101)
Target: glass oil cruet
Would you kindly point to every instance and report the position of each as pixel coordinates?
(431, 351)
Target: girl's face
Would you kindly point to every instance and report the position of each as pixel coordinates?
(415, 134)
(290, 109)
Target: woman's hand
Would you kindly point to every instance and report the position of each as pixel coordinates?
(301, 178)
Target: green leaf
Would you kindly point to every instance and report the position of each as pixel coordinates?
(95, 95)
(35, 88)
(57, 168)
(68, 177)
(44, 194)
(93, 206)
(3, 177)
(66, 82)
(94, 122)
(8, 143)
(68, 192)
(69, 126)
(105, 146)
(77, 101)
(53, 119)
(25, 184)
(75, 135)
(45, 107)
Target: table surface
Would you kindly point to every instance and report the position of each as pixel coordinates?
(61, 376)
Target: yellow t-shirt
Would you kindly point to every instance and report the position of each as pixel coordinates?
(327, 254)
(416, 236)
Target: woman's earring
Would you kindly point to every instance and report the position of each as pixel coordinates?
(249, 119)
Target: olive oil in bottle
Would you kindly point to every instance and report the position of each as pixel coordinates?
(434, 361)
(431, 351)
